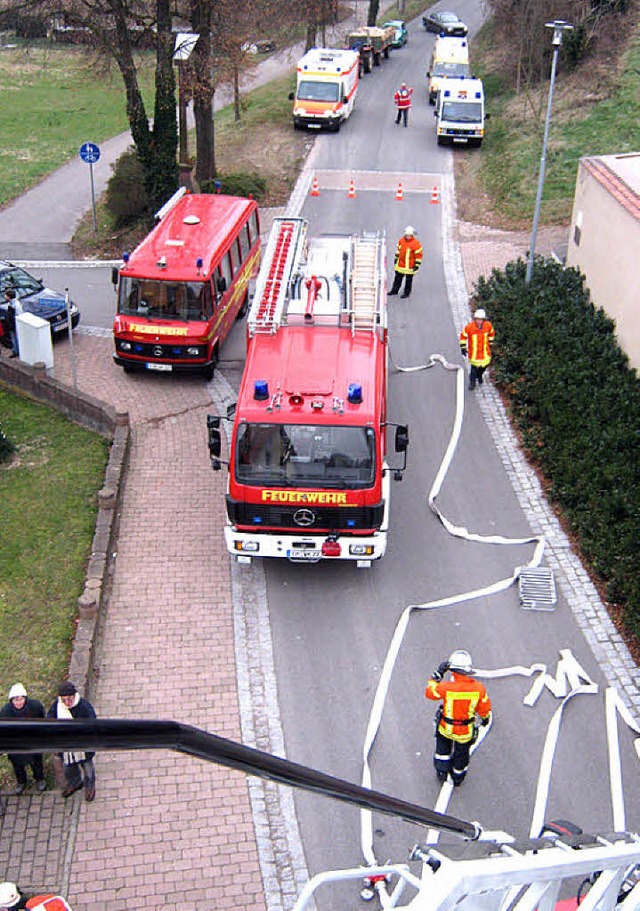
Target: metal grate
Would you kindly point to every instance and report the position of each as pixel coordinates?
(537, 588)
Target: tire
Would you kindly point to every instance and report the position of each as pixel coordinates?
(127, 368)
(210, 370)
(376, 59)
(366, 62)
(386, 53)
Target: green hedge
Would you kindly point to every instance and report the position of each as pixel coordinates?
(576, 403)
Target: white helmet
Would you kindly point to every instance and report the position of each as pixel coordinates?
(9, 895)
(17, 690)
(480, 314)
(410, 230)
(460, 661)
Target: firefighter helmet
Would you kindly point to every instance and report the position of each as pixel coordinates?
(9, 895)
(460, 661)
(409, 231)
(480, 314)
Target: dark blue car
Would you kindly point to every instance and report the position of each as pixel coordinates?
(36, 299)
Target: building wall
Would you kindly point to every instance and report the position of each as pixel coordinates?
(604, 243)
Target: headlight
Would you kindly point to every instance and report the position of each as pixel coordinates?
(361, 550)
(247, 547)
(124, 346)
(193, 352)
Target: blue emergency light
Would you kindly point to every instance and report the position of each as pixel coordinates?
(261, 390)
(354, 394)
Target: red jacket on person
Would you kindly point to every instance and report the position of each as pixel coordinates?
(402, 98)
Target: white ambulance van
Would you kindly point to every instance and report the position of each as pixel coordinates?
(327, 84)
(450, 60)
(460, 112)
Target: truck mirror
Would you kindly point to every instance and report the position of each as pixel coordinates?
(291, 96)
(428, 75)
(114, 276)
(402, 438)
(231, 410)
(221, 284)
(213, 426)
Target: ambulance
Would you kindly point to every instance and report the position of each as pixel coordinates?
(327, 84)
(450, 59)
(460, 112)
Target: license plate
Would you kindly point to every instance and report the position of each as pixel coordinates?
(58, 327)
(164, 368)
(299, 553)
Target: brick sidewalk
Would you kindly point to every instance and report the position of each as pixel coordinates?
(165, 830)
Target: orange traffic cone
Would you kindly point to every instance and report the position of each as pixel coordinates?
(399, 191)
(352, 190)
(435, 198)
(315, 189)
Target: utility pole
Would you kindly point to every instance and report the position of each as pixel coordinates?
(559, 27)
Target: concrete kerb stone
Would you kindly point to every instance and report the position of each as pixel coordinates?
(95, 415)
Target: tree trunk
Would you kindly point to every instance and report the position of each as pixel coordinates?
(374, 6)
(236, 94)
(165, 130)
(203, 89)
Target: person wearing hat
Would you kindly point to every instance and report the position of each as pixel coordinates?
(12, 897)
(407, 261)
(78, 766)
(402, 99)
(21, 708)
(475, 343)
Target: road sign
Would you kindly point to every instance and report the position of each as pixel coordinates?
(89, 152)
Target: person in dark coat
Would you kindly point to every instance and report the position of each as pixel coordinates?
(78, 766)
(21, 708)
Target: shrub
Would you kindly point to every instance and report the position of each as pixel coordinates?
(576, 403)
(125, 198)
(7, 448)
(239, 184)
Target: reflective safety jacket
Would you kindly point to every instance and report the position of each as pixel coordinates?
(408, 255)
(48, 903)
(478, 342)
(402, 98)
(462, 699)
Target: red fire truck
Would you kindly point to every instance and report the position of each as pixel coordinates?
(308, 474)
(183, 287)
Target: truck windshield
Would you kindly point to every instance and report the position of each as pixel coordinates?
(462, 111)
(451, 69)
(318, 91)
(305, 455)
(164, 299)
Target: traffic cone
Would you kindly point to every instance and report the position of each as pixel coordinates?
(352, 190)
(315, 189)
(399, 195)
(435, 198)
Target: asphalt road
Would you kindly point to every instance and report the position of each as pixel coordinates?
(332, 624)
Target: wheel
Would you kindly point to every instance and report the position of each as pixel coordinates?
(366, 62)
(210, 370)
(127, 368)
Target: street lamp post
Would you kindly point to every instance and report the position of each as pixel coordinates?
(559, 27)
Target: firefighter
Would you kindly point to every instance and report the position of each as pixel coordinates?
(11, 897)
(475, 340)
(463, 698)
(407, 261)
(402, 99)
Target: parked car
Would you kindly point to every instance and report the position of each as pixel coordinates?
(444, 22)
(402, 35)
(36, 298)
(259, 47)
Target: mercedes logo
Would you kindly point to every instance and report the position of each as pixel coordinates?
(157, 351)
(304, 517)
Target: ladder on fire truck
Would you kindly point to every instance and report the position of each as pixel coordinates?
(367, 282)
(284, 250)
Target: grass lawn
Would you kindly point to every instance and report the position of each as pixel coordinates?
(54, 99)
(48, 495)
(596, 111)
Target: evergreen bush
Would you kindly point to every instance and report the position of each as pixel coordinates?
(576, 403)
(125, 198)
(238, 184)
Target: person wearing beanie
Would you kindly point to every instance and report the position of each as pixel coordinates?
(11, 897)
(20, 707)
(79, 769)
